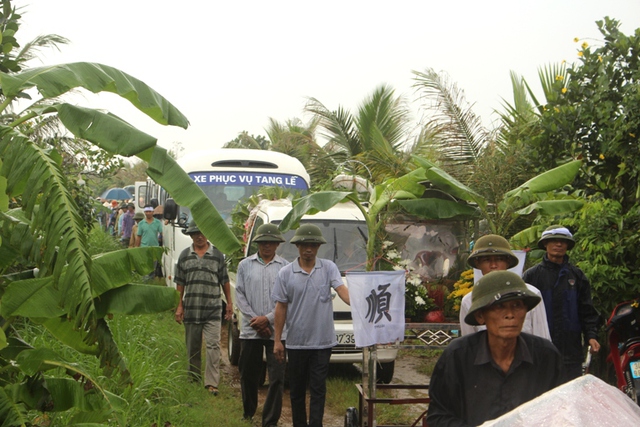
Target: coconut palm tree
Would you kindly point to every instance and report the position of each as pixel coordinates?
(378, 135)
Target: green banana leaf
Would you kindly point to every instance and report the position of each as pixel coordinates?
(113, 269)
(552, 207)
(165, 171)
(549, 180)
(438, 209)
(449, 184)
(137, 299)
(406, 186)
(526, 238)
(53, 81)
(311, 204)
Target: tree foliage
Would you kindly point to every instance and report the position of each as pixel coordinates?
(593, 114)
(46, 272)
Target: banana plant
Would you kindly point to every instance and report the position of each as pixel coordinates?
(64, 289)
(404, 191)
(539, 195)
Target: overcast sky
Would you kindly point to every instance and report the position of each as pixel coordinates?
(231, 65)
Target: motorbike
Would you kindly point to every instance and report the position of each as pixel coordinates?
(623, 333)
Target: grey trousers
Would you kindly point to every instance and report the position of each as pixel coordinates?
(194, 333)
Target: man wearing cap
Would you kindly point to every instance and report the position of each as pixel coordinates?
(200, 275)
(127, 224)
(149, 230)
(150, 234)
(137, 217)
(304, 303)
(567, 297)
(484, 375)
(493, 253)
(254, 283)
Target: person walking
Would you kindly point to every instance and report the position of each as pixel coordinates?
(149, 230)
(150, 234)
(567, 298)
(493, 253)
(201, 277)
(303, 299)
(127, 224)
(254, 284)
(137, 217)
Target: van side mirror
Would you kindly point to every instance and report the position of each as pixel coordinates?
(170, 210)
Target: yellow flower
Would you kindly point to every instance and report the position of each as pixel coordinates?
(564, 90)
(559, 78)
(601, 156)
(580, 54)
(576, 40)
(556, 109)
(632, 135)
(599, 58)
(585, 45)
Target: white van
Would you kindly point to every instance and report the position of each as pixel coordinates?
(345, 230)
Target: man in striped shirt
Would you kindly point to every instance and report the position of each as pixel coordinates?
(201, 274)
(254, 284)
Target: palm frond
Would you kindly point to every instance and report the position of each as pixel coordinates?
(461, 136)
(339, 128)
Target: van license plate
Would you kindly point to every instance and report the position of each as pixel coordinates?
(347, 338)
(635, 369)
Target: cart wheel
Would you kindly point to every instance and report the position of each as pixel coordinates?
(351, 417)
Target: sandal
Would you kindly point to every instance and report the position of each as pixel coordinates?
(212, 390)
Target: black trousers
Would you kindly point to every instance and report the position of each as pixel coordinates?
(308, 367)
(250, 365)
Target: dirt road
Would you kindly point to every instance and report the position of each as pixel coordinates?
(405, 373)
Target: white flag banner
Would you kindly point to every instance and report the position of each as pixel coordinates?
(377, 306)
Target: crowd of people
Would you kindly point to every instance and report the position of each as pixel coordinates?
(521, 336)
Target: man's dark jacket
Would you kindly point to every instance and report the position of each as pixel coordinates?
(566, 293)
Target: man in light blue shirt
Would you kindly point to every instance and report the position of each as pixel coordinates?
(303, 302)
(254, 283)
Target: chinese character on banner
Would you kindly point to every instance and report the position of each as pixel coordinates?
(377, 306)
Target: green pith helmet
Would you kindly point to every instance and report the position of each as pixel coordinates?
(193, 228)
(492, 244)
(557, 232)
(268, 233)
(138, 215)
(308, 233)
(499, 286)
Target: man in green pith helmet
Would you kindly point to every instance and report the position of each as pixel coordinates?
(493, 253)
(254, 283)
(304, 303)
(567, 298)
(482, 376)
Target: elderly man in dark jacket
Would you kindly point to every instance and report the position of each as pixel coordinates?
(567, 298)
(484, 375)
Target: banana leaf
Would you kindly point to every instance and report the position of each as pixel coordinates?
(438, 209)
(549, 180)
(53, 81)
(311, 204)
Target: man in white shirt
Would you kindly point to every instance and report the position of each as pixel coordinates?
(493, 253)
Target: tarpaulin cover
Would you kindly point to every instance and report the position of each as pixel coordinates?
(586, 401)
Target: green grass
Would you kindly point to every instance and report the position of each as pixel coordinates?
(154, 350)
